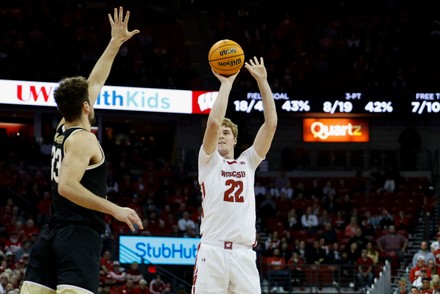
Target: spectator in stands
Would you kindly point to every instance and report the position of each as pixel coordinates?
(295, 265)
(401, 221)
(288, 190)
(330, 204)
(333, 256)
(316, 207)
(277, 272)
(392, 244)
(134, 273)
(186, 222)
(158, 286)
(435, 282)
(29, 229)
(430, 264)
(142, 288)
(292, 222)
(423, 251)
(117, 275)
(385, 219)
(351, 228)
(367, 229)
(346, 274)
(315, 254)
(373, 220)
(309, 221)
(372, 252)
(329, 233)
(436, 244)
(272, 242)
(339, 222)
(301, 249)
(285, 251)
(365, 267)
(13, 244)
(416, 271)
(328, 190)
(4, 280)
(403, 286)
(424, 285)
(127, 288)
(358, 238)
(323, 218)
(106, 262)
(389, 185)
(353, 253)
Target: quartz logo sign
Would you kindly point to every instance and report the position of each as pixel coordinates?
(335, 130)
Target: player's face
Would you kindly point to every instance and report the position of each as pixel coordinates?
(226, 141)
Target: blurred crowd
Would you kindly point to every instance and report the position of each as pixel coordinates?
(380, 47)
(294, 215)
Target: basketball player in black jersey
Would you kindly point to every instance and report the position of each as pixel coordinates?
(65, 258)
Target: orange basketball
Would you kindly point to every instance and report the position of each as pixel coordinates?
(226, 57)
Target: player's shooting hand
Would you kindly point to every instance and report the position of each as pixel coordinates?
(256, 68)
(128, 216)
(119, 25)
(223, 79)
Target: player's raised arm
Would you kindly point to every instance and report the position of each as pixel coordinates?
(265, 134)
(119, 34)
(218, 111)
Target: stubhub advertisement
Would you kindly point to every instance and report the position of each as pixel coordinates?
(158, 250)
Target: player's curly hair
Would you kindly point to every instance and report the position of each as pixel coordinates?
(70, 95)
(229, 124)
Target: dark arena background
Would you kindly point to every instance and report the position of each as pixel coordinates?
(357, 91)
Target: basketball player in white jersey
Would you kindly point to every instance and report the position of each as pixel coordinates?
(225, 260)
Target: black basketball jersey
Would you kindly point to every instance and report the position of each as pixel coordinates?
(64, 211)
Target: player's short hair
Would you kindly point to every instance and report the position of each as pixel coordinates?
(70, 95)
(229, 124)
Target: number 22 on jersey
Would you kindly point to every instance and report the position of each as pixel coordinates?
(233, 192)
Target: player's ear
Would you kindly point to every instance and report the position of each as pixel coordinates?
(86, 106)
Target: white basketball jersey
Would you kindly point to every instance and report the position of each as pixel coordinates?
(228, 198)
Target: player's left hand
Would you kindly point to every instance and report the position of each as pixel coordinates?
(256, 68)
(119, 25)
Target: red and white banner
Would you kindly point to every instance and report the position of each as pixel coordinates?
(113, 98)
